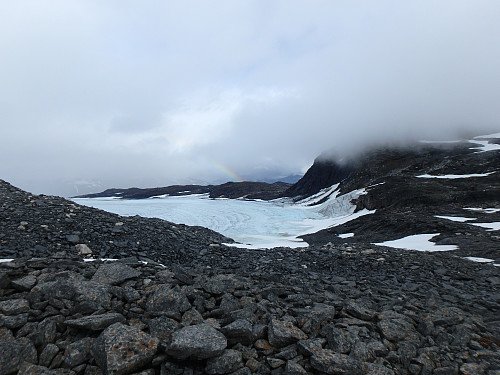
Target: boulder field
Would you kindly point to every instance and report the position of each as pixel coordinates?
(178, 301)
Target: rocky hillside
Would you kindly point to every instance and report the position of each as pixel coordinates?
(452, 189)
(39, 225)
(178, 301)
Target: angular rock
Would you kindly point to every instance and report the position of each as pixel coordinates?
(168, 302)
(293, 368)
(30, 369)
(13, 321)
(377, 369)
(114, 273)
(73, 238)
(14, 352)
(47, 355)
(24, 283)
(197, 342)
(4, 281)
(42, 333)
(359, 311)
(333, 363)
(241, 331)
(396, 329)
(284, 333)
(96, 322)
(163, 327)
(339, 340)
(77, 352)
(14, 306)
(310, 346)
(121, 349)
(83, 249)
(229, 361)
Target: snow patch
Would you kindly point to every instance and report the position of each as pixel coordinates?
(479, 260)
(6, 260)
(455, 218)
(418, 242)
(346, 235)
(486, 146)
(490, 226)
(455, 176)
(322, 194)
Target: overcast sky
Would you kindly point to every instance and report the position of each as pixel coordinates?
(97, 94)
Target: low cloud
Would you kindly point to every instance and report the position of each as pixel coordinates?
(124, 94)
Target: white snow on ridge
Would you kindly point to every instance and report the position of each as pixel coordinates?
(418, 242)
(494, 135)
(455, 176)
(323, 193)
(490, 226)
(456, 218)
(479, 260)
(483, 210)
(486, 146)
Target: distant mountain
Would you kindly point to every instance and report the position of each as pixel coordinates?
(452, 189)
(247, 190)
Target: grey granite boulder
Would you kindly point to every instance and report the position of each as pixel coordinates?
(168, 302)
(229, 361)
(114, 273)
(14, 352)
(239, 331)
(198, 342)
(121, 349)
(284, 333)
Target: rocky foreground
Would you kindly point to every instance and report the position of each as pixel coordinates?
(178, 301)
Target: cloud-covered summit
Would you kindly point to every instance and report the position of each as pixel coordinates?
(159, 92)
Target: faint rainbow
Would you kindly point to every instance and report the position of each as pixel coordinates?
(231, 174)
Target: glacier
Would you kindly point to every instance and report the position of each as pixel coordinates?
(253, 224)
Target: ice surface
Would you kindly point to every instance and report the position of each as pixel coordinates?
(454, 176)
(483, 210)
(455, 218)
(255, 224)
(419, 242)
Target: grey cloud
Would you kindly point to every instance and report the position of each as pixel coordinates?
(122, 94)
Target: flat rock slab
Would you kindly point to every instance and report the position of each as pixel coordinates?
(333, 363)
(121, 349)
(14, 306)
(114, 273)
(96, 322)
(198, 342)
